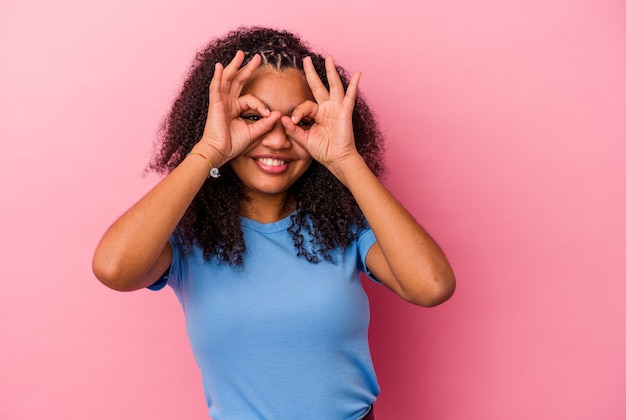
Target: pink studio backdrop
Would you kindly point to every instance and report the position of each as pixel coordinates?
(506, 127)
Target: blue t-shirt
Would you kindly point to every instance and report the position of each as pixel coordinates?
(279, 337)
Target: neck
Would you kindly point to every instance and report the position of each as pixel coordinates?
(268, 209)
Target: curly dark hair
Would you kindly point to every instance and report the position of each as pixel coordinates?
(325, 208)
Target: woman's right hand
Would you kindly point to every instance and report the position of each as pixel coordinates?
(134, 251)
(224, 132)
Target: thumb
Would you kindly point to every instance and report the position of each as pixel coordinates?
(263, 125)
(295, 132)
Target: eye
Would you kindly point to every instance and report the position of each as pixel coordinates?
(251, 118)
(306, 123)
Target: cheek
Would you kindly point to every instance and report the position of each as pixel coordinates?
(305, 161)
(306, 164)
(300, 151)
(236, 165)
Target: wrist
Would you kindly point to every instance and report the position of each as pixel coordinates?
(349, 168)
(213, 171)
(214, 157)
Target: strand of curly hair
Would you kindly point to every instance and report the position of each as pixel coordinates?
(325, 210)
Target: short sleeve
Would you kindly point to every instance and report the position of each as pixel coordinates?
(170, 273)
(365, 240)
(161, 282)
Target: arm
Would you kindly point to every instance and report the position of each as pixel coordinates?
(405, 258)
(134, 251)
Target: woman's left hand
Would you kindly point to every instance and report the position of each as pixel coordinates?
(404, 258)
(330, 140)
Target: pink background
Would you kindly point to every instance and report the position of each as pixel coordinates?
(506, 127)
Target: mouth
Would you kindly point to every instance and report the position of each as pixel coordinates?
(272, 165)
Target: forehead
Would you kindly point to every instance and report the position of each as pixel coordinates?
(273, 86)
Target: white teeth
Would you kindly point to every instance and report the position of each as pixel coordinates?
(272, 162)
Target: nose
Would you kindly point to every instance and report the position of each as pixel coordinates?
(276, 138)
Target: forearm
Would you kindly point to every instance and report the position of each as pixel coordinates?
(133, 249)
(413, 264)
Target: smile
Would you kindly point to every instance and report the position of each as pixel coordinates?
(271, 162)
(272, 165)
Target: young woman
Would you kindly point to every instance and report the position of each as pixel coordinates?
(269, 210)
